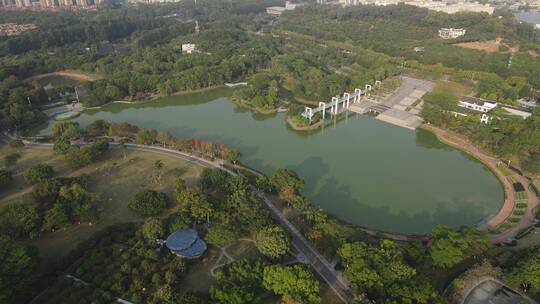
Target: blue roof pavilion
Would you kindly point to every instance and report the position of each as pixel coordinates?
(186, 243)
(195, 251)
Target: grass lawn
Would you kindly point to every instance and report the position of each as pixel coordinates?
(114, 179)
(198, 277)
(453, 88)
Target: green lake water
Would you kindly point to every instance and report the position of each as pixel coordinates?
(359, 169)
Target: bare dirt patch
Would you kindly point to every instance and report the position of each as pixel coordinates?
(67, 73)
(490, 46)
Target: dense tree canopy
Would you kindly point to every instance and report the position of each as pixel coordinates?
(273, 242)
(294, 283)
(18, 267)
(450, 247)
(148, 203)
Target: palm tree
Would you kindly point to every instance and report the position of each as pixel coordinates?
(158, 166)
(123, 142)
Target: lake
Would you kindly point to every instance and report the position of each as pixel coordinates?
(531, 16)
(359, 169)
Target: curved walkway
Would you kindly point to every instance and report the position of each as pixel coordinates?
(508, 205)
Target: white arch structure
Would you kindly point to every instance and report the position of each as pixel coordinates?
(333, 105)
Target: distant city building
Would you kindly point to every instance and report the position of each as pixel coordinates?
(278, 10)
(189, 48)
(186, 244)
(152, 1)
(49, 4)
(275, 10)
(451, 33)
(477, 104)
(13, 29)
(447, 6)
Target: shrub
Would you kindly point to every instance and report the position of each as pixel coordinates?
(148, 203)
(38, 173)
(221, 235)
(5, 178)
(11, 159)
(521, 205)
(273, 241)
(514, 219)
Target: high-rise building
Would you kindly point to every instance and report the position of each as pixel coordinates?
(46, 4)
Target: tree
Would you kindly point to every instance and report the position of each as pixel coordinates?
(146, 136)
(5, 178)
(221, 235)
(38, 173)
(158, 166)
(294, 283)
(449, 247)
(19, 221)
(526, 272)
(152, 228)
(244, 272)
(68, 130)
(11, 159)
(165, 295)
(18, 268)
(287, 178)
(98, 128)
(200, 208)
(123, 146)
(380, 273)
(56, 218)
(232, 295)
(148, 203)
(273, 242)
(233, 156)
(46, 192)
(78, 202)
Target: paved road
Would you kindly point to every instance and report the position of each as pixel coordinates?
(319, 263)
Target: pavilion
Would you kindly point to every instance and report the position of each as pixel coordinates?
(186, 243)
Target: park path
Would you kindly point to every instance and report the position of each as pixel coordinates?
(330, 275)
(493, 163)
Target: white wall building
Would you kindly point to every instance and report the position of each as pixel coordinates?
(451, 33)
(189, 48)
(476, 104)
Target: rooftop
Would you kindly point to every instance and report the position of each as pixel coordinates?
(186, 243)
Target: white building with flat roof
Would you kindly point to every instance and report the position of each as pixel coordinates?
(476, 104)
(451, 33)
(189, 48)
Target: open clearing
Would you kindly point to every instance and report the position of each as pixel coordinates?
(490, 46)
(77, 75)
(115, 179)
(453, 88)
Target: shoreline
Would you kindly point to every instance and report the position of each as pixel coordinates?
(491, 163)
(312, 127)
(251, 108)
